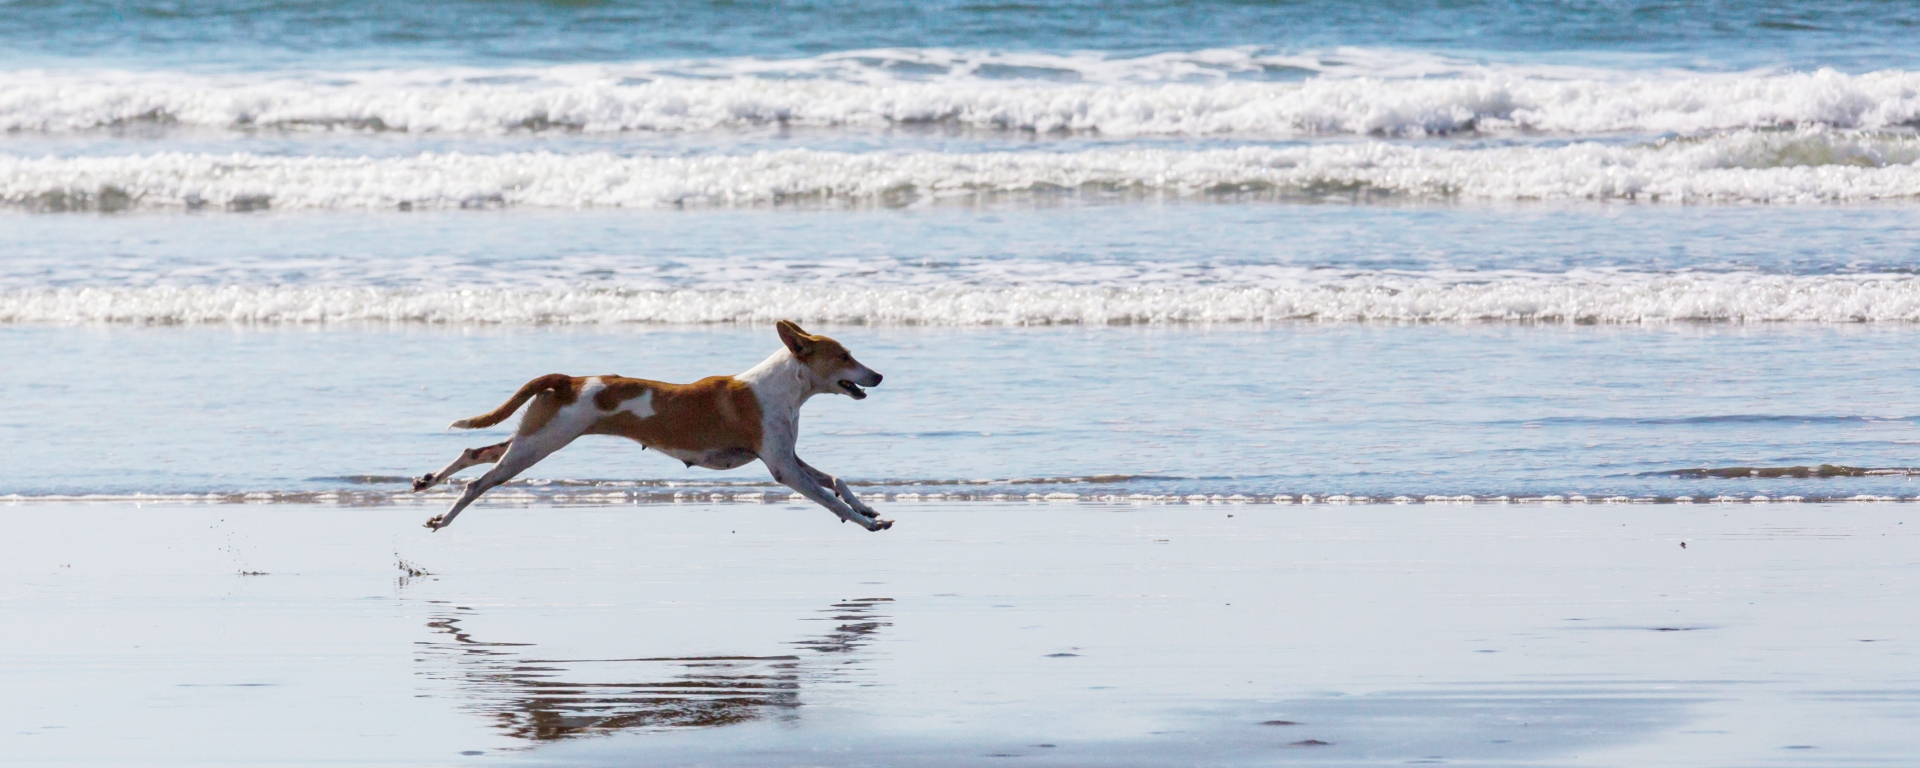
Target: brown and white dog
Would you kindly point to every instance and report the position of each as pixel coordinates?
(719, 422)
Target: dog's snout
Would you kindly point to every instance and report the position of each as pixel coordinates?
(875, 381)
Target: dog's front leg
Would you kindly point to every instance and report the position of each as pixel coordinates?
(839, 487)
(792, 473)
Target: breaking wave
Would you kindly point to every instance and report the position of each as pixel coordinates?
(1202, 93)
(1582, 297)
(1804, 166)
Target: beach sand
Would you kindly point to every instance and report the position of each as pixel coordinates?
(970, 634)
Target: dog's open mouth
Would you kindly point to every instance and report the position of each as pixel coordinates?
(853, 389)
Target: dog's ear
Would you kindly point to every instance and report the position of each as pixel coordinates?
(797, 340)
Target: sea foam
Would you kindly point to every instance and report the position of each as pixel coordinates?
(1206, 93)
(1587, 297)
(1742, 167)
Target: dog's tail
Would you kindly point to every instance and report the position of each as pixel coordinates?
(554, 381)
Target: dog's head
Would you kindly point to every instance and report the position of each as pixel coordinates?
(830, 366)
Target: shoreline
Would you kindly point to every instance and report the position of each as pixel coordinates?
(517, 495)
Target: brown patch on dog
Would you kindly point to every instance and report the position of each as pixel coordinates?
(822, 355)
(619, 389)
(829, 358)
(716, 412)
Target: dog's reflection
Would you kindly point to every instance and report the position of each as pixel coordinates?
(548, 699)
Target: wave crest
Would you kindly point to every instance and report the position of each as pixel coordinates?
(1766, 167)
(1583, 298)
(1152, 96)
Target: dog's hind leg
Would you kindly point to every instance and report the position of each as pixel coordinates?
(522, 452)
(468, 458)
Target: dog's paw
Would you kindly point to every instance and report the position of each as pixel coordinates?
(881, 525)
(436, 523)
(422, 483)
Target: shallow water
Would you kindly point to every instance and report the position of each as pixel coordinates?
(1298, 409)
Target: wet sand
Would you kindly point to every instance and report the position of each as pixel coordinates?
(970, 634)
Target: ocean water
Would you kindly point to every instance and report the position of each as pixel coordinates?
(1104, 251)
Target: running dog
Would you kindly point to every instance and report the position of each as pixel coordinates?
(719, 422)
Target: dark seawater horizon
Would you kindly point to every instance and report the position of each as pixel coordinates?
(235, 35)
